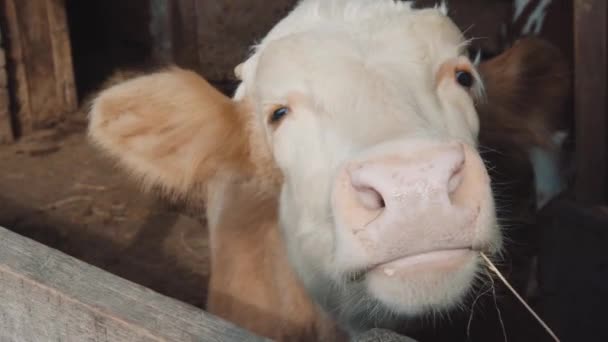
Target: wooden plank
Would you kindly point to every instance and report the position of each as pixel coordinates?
(48, 296)
(6, 131)
(62, 56)
(590, 101)
(38, 61)
(41, 76)
(17, 74)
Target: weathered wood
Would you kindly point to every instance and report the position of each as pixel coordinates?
(38, 60)
(590, 100)
(6, 131)
(62, 55)
(41, 73)
(48, 296)
(226, 29)
(210, 36)
(17, 76)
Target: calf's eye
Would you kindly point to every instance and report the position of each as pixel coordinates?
(278, 115)
(464, 78)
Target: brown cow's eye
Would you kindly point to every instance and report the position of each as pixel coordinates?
(464, 78)
(278, 114)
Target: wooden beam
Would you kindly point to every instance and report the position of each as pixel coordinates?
(590, 101)
(6, 131)
(17, 76)
(62, 56)
(40, 62)
(48, 296)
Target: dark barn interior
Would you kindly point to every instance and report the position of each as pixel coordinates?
(57, 189)
(99, 47)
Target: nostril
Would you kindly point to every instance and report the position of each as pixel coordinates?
(370, 198)
(455, 182)
(456, 178)
(365, 193)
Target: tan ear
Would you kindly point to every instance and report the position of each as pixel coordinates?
(170, 129)
(527, 89)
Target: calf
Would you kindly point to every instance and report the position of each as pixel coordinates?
(343, 185)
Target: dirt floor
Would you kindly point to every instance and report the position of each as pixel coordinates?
(56, 189)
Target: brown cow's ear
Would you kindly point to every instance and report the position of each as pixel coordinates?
(527, 88)
(170, 129)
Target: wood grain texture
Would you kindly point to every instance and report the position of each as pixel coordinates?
(38, 60)
(41, 74)
(17, 74)
(62, 55)
(6, 131)
(48, 296)
(212, 37)
(590, 101)
(227, 29)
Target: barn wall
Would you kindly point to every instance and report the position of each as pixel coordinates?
(590, 101)
(41, 80)
(214, 36)
(107, 35)
(211, 37)
(6, 132)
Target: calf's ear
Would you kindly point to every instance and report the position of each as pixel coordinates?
(170, 129)
(527, 88)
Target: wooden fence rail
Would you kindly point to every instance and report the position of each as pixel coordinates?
(48, 296)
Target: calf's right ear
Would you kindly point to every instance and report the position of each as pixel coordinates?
(170, 129)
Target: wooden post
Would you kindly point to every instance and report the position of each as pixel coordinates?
(6, 131)
(48, 296)
(40, 62)
(590, 101)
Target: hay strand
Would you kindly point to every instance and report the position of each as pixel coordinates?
(495, 270)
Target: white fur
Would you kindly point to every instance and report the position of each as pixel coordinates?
(535, 21)
(546, 163)
(356, 74)
(537, 18)
(520, 6)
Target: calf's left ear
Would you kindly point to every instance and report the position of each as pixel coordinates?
(170, 129)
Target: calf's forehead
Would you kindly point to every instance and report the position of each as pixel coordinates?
(408, 47)
(361, 70)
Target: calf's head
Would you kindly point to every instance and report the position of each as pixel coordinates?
(361, 114)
